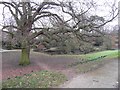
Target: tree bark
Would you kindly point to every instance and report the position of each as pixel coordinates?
(25, 54)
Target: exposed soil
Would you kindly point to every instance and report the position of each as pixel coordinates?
(10, 67)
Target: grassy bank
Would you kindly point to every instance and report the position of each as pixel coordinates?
(42, 79)
(107, 53)
(91, 61)
(97, 60)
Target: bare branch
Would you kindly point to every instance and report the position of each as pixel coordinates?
(81, 15)
(47, 14)
(11, 33)
(34, 35)
(39, 28)
(15, 16)
(107, 21)
(4, 27)
(42, 5)
(7, 3)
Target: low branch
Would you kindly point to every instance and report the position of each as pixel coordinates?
(34, 35)
(39, 28)
(8, 26)
(9, 33)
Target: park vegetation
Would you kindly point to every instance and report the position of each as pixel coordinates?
(71, 29)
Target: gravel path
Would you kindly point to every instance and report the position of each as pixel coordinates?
(104, 77)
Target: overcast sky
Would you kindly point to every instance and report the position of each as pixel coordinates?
(105, 9)
(102, 10)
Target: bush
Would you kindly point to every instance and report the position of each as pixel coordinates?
(86, 48)
(7, 45)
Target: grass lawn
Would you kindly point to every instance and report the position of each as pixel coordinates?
(42, 79)
(97, 62)
(91, 61)
(108, 53)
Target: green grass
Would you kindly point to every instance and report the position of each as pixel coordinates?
(109, 54)
(91, 61)
(42, 79)
(96, 62)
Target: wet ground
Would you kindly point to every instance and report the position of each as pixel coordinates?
(11, 68)
(104, 77)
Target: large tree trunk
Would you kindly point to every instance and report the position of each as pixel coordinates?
(25, 54)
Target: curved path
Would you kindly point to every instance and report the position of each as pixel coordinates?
(104, 77)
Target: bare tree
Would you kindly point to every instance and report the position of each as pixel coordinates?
(25, 15)
(29, 16)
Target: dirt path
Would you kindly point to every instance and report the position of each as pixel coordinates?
(39, 61)
(104, 77)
